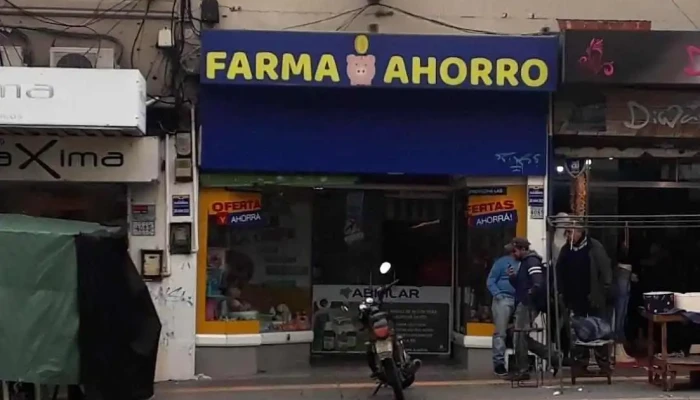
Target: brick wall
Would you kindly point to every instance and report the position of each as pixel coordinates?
(602, 25)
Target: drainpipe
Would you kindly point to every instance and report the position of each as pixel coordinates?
(195, 179)
(167, 202)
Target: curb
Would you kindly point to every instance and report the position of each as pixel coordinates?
(370, 385)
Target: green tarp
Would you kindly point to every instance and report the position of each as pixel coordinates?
(39, 299)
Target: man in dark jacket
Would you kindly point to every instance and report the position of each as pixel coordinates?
(585, 274)
(529, 283)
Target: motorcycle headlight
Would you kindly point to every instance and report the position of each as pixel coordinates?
(369, 300)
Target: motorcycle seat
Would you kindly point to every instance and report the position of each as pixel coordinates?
(380, 323)
(379, 315)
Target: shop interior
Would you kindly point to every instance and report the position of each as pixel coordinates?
(664, 258)
(289, 271)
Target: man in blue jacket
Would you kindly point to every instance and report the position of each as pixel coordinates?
(502, 307)
(529, 282)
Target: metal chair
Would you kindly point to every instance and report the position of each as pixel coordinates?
(536, 366)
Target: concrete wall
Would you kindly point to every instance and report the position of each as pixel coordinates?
(121, 20)
(174, 296)
(55, 23)
(508, 16)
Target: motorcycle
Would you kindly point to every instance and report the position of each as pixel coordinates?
(393, 366)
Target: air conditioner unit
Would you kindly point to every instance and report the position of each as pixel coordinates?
(12, 56)
(82, 57)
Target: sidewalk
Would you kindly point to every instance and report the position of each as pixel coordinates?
(448, 389)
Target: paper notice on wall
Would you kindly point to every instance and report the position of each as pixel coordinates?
(353, 217)
(535, 200)
(143, 220)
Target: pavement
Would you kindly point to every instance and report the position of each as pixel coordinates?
(439, 383)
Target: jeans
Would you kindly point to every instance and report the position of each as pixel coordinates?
(502, 309)
(523, 342)
(622, 298)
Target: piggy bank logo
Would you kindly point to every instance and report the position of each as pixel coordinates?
(361, 66)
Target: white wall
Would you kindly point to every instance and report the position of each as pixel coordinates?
(506, 16)
(174, 297)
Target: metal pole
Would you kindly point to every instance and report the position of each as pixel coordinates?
(557, 324)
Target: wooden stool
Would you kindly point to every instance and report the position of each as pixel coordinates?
(577, 370)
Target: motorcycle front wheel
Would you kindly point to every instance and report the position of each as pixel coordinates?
(393, 377)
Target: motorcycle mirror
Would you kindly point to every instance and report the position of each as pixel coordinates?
(384, 268)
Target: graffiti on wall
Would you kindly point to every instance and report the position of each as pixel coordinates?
(640, 116)
(519, 162)
(650, 113)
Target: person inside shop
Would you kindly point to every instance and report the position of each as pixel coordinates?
(502, 306)
(585, 274)
(237, 274)
(529, 283)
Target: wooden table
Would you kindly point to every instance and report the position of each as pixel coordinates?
(669, 367)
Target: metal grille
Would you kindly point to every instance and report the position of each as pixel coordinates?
(626, 221)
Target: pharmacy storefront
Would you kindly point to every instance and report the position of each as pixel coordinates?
(325, 154)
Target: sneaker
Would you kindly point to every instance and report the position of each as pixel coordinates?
(500, 371)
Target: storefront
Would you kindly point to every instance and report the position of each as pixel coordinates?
(74, 145)
(626, 128)
(325, 154)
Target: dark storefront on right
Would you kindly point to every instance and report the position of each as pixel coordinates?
(626, 144)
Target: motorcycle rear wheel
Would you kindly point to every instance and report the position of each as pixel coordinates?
(393, 378)
(408, 380)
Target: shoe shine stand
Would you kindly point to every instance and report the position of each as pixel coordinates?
(618, 222)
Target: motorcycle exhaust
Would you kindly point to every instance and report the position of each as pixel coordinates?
(415, 366)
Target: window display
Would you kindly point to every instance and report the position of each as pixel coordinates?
(354, 232)
(258, 260)
(287, 260)
(490, 218)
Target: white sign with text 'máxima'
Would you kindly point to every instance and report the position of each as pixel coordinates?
(79, 159)
(78, 99)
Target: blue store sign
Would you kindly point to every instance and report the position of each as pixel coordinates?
(412, 131)
(405, 61)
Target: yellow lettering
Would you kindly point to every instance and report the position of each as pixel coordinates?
(239, 65)
(265, 64)
(396, 69)
(526, 75)
(506, 69)
(327, 68)
(429, 70)
(216, 61)
(481, 69)
(292, 66)
(445, 71)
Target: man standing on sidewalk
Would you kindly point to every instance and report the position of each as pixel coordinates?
(502, 307)
(529, 282)
(585, 274)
